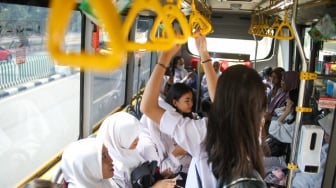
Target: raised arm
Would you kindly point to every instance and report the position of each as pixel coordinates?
(209, 71)
(149, 103)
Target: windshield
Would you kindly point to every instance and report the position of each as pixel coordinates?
(235, 46)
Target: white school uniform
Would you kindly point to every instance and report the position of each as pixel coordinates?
(190, 135)
(117, 132)
(282, 131)
(155, 145)
(82, 165)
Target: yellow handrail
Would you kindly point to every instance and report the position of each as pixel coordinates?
(274, 27)
(173, 13)
(280, 34)
(198, 21)
(106, 12)
(162, 43)
(264, 27)
(252, 28)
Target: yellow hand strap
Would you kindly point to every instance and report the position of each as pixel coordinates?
(279, 34)
(173, 13)
(198, 21)
(161, 43)
(105, 11)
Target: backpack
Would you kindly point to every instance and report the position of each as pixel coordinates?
(144, 175)
(244, 182)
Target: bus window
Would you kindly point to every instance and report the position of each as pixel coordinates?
(104, 91)
(142, 58)
(39, 101)
(107, 91)
(236, 46)
(307, 43)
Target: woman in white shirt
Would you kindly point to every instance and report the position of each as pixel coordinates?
(155, 145)
(120, 133)
(227, 149)
(181, 75)
(282, 128)
(86, 163)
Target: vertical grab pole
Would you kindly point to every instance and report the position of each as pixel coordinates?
(256, 51)
(292, 165)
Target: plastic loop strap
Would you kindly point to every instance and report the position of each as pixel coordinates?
(107, 14)
(173, 13)
(161, 43)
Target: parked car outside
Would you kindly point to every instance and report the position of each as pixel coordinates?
(5, 55)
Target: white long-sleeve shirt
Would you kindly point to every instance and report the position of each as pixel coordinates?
(155, 145)
(190, 135)
(282, 131)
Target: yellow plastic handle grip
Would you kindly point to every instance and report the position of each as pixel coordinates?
(105, 11)
(279, 34)
(163, 43)
(203, 23)
(274, 27)
(173, 13)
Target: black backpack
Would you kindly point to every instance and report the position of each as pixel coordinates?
(244, 182)
(144, 175)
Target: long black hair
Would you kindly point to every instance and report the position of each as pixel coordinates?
(175, 92)
(232, 140)
(293, 96)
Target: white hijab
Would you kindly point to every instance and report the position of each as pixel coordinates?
(118, 132)
(82, 165)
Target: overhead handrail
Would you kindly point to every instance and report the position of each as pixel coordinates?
(159, 43)
(264, 27)
(279, 34)
(258, 27)
(252, 28)
(198, 22)
(173, 14)
(274, 27)
(106, 12)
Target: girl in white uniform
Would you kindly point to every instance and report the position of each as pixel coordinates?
(227, 147)
(162, 147)
(120, 133)
(86, 163)
(283, 127)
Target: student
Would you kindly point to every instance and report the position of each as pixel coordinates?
(289, 81)
(276, 76)
(181, 75)
(162, 147)
(181, 97)
(267, 79)
(87, 163)
(281, 132)
(283, 127)
(120, 133)
(225, 148)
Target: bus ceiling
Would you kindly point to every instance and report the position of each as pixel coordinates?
(309, 11)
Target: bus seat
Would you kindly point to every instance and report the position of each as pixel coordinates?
(58, 175)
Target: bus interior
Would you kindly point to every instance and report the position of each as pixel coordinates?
(53, 91)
